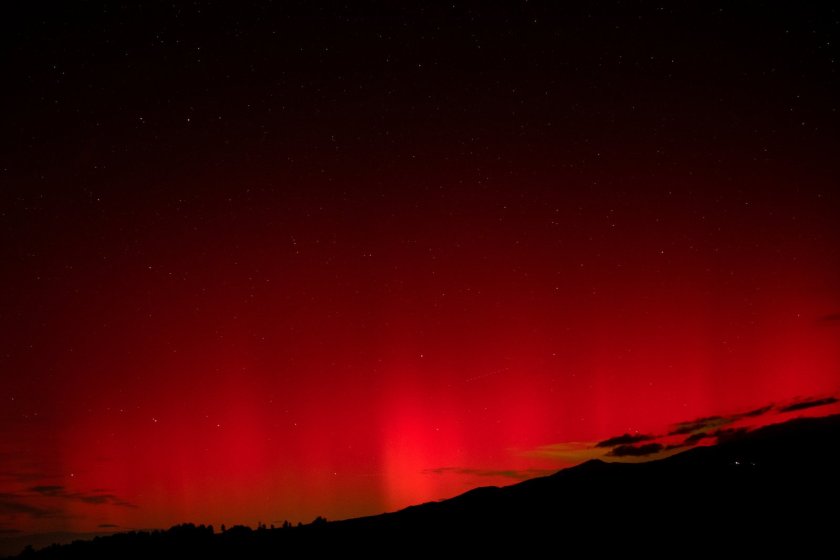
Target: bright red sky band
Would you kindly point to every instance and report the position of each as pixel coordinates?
(203, 324)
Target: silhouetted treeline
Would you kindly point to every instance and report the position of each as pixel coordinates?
(187, 539)
(772, 490)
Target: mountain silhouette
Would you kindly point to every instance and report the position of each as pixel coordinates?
(772, 489)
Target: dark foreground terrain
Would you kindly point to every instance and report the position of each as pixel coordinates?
(771, 490)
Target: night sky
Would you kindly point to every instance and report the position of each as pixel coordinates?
(264, 262)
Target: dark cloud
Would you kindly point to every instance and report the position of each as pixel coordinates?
(21, 503)
(831, 318)
(808, 404)
(715, 422)
(625, 439)
(721, 435)
(105, 499)
(13, 504)
(96, 497)
(757, 412)
(49, 490)
(520, 474)
(108, 526)
(636, 450)
(684, 428)
(625, 445)
(693, 439)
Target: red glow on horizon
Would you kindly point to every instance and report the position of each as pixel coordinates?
(241, 403)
